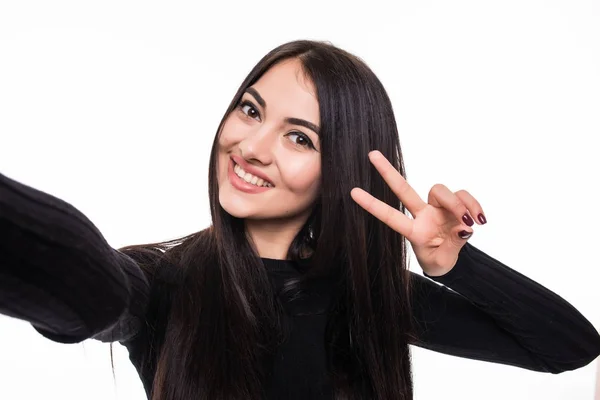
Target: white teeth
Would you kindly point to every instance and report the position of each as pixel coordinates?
(248, 177)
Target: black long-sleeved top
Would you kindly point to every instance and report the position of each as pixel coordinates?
(59, 273)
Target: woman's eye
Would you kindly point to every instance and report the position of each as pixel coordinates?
(302, 140)
(249, 110)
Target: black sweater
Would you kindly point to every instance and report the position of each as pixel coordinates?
(59, 273)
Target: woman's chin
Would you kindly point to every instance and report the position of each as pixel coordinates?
(235, 207)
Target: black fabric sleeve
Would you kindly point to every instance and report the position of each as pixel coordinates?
(489, 312)
(59, 273)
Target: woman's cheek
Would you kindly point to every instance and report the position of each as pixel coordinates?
(305, 179)
(234, 131)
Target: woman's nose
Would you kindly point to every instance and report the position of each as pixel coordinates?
(259, 145)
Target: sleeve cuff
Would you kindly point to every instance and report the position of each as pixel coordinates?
(64, 339)
(459, 270)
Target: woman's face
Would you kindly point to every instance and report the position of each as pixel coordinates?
(272, 133)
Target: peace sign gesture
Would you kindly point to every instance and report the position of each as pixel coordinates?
(439, 228)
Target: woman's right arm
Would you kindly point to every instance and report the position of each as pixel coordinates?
(58, 272)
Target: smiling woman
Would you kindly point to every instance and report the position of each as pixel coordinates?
(299, 289)
(275, 128)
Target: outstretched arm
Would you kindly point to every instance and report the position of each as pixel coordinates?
(59, 273)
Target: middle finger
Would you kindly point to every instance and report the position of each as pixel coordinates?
(397, 183)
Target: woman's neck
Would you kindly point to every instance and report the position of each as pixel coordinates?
(272, 239)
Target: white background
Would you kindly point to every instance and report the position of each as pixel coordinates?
(112, 106)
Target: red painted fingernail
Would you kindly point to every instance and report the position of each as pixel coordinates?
(468, 220)
(464, 234)
(481, 219)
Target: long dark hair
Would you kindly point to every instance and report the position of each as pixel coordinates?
(224, 318)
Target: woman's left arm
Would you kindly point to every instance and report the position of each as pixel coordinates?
(493, 313)
(490, 312)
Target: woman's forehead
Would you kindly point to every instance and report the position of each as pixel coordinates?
(285, 87)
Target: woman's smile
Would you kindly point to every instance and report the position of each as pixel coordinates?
(243, 185)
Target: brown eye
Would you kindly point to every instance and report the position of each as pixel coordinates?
(302, 140)
(248, 109)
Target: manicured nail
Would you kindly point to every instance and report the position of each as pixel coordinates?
(464, 234)
(468, 220)
(481, 219)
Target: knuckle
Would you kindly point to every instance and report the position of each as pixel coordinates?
(404, 187)
(370, 204)
(389, 213)
(460, 207)
(437, 188)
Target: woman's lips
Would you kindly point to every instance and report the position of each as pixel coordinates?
(241, 184)
(249, 168)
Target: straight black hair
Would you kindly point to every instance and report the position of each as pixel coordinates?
(224, 318)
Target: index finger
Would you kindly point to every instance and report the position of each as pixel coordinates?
(393, 218)
(407, 195)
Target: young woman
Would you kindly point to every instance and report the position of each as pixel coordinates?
(299, 289)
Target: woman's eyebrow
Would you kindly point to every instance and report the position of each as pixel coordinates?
(289, 120)
(302, 122)
(258, 97)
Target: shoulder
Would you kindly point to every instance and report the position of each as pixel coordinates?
(158, 265)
